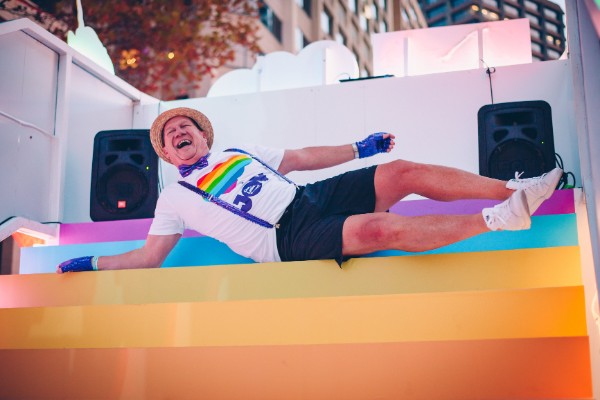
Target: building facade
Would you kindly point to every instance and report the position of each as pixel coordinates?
(290, 25)
(545, 19)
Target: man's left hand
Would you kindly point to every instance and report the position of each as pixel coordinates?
(375, 143)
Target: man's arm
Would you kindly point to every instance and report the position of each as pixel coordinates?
(151, 255)
(312, 158)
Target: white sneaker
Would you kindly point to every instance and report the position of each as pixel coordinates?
(510, 215)
(537, 189)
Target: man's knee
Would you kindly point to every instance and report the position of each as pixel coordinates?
(374, 230)
(395, 169)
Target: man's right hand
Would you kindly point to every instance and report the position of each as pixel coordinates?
(77, 265)
(380, 142)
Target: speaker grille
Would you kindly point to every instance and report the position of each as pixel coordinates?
(122, 189)
(124, 176)
(515, 137)
(516, 155)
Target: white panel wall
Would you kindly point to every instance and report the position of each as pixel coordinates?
(93, 107)
(434, 117)
(28, 76)
(53, 100)
(28, 79)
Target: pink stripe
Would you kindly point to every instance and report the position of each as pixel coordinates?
(108, 231)
(561, 202)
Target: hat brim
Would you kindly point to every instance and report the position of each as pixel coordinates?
(156, 131)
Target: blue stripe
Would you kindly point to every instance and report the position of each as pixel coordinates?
(546, 231)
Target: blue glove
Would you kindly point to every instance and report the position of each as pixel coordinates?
(373, 144)
(79, 264)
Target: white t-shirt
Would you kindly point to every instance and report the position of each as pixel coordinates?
(240, 181)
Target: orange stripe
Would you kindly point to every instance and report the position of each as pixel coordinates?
(548, 312)
(488, 369)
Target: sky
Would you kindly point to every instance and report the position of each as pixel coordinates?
(560, 3)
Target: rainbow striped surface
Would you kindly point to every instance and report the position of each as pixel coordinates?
(506, 321)
(554, 224)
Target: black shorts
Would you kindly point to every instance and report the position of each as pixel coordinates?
(311, 227)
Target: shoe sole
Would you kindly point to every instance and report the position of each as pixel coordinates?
(520, 202)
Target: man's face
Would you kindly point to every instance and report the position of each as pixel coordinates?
(184, 142)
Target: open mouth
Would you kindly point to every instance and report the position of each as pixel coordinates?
(183, 143)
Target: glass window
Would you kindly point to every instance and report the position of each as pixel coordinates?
(457, 17)
(300, 39)
(441, 22)
(535, 34)
(363, 22)
(383, 4)
(510, 11)
(356, 55)
(326, 24)
(354, 32)
(536, 47)
(383, 26)
(553, 54)
(550, 27)
(341, 38)
(490, 15)
(271, 21)
(352, 5)
(413, 14)
(553, 40)
(435, 12)
(531, 5)
(532, 18)
(491, 3)
(551, 13)
(305, 5)
(341, 13)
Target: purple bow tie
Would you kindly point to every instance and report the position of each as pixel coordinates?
(185, 170)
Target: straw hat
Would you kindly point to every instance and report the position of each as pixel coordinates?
(156, 131)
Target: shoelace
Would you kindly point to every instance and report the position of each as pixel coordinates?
(518, 174)
(537, 178)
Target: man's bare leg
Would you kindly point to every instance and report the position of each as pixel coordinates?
(398, 179)
(366, 233)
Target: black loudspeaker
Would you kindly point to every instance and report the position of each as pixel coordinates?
(515, 137)
(124, 176)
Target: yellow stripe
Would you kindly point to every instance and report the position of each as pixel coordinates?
(549, 312)
(511, 269)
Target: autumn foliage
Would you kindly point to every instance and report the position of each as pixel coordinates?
(159, 46)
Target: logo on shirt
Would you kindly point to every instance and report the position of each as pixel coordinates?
(251, 188)
(223, 177)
